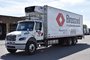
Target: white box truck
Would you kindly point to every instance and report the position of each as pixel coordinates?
(45, 25)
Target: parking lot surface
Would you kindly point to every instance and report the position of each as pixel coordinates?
(81, 51)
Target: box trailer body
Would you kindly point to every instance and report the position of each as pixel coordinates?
(62, 23)
(45, 26)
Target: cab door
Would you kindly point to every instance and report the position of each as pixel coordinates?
(39, 31)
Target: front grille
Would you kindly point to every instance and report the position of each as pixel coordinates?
(11, 37)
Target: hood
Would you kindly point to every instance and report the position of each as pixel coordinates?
(14, 33)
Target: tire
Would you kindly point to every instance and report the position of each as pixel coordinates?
(12, 51)
(74, 41)
(30, 47)
(69, 42)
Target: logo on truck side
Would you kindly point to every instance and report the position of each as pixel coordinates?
(60, 19)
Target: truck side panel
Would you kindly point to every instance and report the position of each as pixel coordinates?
(62, 23)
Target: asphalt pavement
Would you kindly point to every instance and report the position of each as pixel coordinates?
(81, 51)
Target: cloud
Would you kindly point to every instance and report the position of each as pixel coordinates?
(12, 8)
(16, 7)
(73, 2)
(13, 11)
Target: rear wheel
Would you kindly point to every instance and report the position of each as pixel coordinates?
(12, 50)
(74, 41)
(69, 42)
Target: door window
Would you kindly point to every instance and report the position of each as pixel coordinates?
(38, 26)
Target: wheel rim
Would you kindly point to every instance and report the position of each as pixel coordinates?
(74, 41)
(70, 42)
(32, 47)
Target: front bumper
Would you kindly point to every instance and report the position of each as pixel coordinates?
(12, 45)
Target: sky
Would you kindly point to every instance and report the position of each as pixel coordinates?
(16, 7)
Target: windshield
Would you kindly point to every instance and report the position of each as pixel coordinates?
(24, 26)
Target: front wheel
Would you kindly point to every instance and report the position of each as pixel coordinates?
(30, 48)
(12, 50)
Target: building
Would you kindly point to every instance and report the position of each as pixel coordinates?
(8, 24)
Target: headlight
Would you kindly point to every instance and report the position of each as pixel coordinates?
(23, 38)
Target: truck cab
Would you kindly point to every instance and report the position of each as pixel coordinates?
(28, 30)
